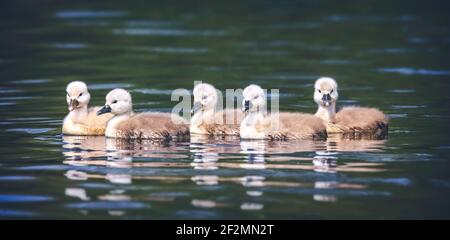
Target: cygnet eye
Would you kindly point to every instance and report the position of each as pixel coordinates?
(319, 90)
(115, 101)
(81, 94)
(331, 91)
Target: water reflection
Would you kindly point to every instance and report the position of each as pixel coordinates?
(79, 193)
(114, 46)
(121, 162)
(324, 197)
(203, 203)
(206, 151)
(325, 162)
(212, 154)
(83, 147)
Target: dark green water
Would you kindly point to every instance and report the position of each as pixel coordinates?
(385, 54)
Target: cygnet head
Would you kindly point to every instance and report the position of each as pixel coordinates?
(205, 97)
(77, 95)
(254, 99)
(118, 101)
(325, 91)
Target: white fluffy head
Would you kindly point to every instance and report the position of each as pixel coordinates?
(119, 100)
(77, 95)
(325, 91)
(254, 98)
(205, 95)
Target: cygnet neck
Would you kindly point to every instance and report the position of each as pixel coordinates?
(78, 114)
(203, 116)
(254, 116)
(327, 113)
(115, 121)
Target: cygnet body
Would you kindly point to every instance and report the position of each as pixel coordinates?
(147, 125)
(258, 124)
(82, 120)
(206, 120)
(349, 120)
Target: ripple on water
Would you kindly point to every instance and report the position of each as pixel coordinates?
(286, 77)
(435, 116)
(401, 131)
(417, 40)
(337, 62)
(97, 185)
(150, 23)
(145, 104)
(399, 115)
(196, 214)
(101, 205)
(151, 91)
(16, 98)
(393, 181)
(15, 213)
(443, 147)
(414, 71)
(30, 130)
(330, 191)
(169, 32)
(293, 26)
(348, 101)
(271, 95)
(29, 119)
(89, 22)
(402, 91)
(204, 203)
(8, 198)
(42, 167)
(389, 50)
(34, 120)
(407, 106)
(182, 50)
(7, 103)
(52, 140)
(30, 81)
(413, 157)
(442, 183)
(347, 18)
(397, 181)
(68, 14)
(9, 90)
(248, 206)
(16, 178)
(69, 45)
(268, 52)
(107, 86)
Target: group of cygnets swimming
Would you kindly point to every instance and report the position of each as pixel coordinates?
(116, 118)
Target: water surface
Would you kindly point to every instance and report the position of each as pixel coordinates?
(393, 56)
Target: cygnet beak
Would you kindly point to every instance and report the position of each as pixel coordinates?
(246, 106)
(73, 104)
(104, 109)
(326, 98)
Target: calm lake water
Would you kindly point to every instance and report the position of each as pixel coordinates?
(394, 56)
